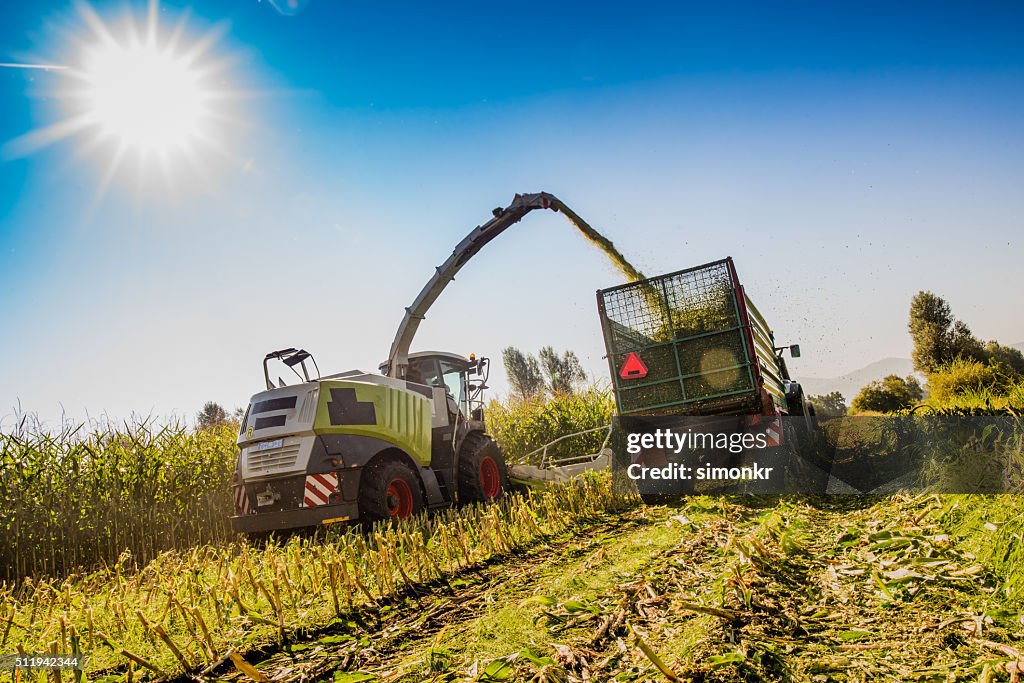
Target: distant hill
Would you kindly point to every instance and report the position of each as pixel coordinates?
(849, 384)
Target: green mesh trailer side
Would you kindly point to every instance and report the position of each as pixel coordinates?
(692, 331)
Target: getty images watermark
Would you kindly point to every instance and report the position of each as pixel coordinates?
(668, 441)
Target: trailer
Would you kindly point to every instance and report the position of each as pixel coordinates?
(693, 343)
(689, 352)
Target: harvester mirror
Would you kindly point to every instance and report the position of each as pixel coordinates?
(794, 351)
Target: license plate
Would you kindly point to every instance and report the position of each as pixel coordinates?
(264, 498)
(267, 445)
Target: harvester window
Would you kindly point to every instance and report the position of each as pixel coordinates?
(424, 372)
(454, 380)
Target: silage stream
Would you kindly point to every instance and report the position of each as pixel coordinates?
(609, 249)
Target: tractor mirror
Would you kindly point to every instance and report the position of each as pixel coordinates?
(794, 350)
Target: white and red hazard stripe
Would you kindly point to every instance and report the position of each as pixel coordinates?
(319, 488)
(773, 430)
(242, 505)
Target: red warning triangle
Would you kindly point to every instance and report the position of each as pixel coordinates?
(633, 367)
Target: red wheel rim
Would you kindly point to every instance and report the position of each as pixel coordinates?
(490, 477)
(398, 498)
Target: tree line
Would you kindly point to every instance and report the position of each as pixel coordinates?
(549, 372)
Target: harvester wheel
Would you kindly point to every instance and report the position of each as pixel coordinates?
(482, 473)
(389, 489)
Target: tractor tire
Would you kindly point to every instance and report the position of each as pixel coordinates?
(389, 490)
(483, 477)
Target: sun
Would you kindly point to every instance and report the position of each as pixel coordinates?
(144, 88)
(140, 97)
(143, 96)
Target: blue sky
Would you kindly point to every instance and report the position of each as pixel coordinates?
(845, 155)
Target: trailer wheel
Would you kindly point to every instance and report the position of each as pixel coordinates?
(482, 473)
(796, 402)
(389, 489)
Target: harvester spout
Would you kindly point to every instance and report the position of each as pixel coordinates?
(522, 204)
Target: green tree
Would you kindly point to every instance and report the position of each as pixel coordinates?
(831, 404)
(963, 344)
(888, 395)
(564, 372)
(938, 337)
(523, 372)
(212, 415)
(1006, 356)
(930, 321)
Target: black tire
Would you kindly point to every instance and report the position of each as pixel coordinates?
(796, 403)
(483, 476)
(389, 490)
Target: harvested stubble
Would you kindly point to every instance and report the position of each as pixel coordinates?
(184, 610)
(764, 589)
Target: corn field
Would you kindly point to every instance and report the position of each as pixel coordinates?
(187, 609)
(522, 426)
(83, 496)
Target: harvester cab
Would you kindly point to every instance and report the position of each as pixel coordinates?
(463, 379)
